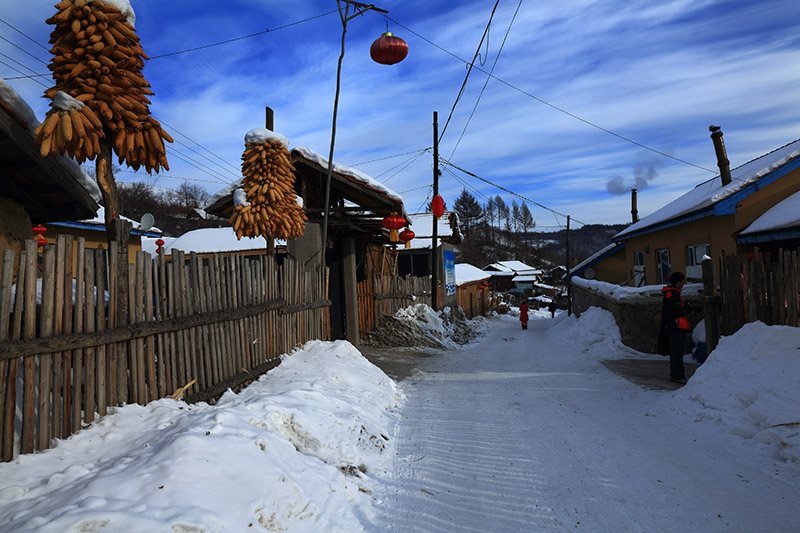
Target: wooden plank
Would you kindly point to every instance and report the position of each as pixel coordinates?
(90, 356)
(149, 315)
(159, 272)
(67, 328)
(117, 353)
(101, 381)
(195, 306)
(27, 444)
(77, 355)
(182, 338)
(45, 399)
(9, 368)
(58, 397)
(136, 294)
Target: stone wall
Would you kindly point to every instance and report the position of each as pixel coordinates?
(633, 309)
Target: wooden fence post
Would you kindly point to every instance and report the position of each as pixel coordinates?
(711, 305)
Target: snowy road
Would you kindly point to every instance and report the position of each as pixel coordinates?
(527, 431)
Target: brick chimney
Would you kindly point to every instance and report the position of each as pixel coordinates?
(634, 210)
(722, 156)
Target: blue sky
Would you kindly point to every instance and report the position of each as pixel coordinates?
(654, 72)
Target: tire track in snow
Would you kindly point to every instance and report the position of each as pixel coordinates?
(524, 432)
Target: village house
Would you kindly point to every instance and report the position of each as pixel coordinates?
(473, 289)
(35, 189)
(718, 215)
(356, 242)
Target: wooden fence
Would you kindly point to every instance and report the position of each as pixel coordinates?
(752, 287)
(198, 327)
(384, 295)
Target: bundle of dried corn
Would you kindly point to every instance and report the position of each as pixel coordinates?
(270, 208)
(98, 61)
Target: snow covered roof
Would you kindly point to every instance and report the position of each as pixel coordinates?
(510, 266)
(783, 215)
(594, 258)
(98, 223)
(466, 273)
(526, 279)
(53, 188)
(357, 188)
(211, 240)
(712, 193)
(358, 176)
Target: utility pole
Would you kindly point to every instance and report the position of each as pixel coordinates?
(435, 234)
(569, 285)
(270, 124)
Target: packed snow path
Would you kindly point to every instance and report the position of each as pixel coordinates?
(527, 431)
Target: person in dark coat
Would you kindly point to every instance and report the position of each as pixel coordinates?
(523, 315)
(675, 324)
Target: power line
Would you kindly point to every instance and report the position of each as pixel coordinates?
(405, 164)
(390, 157)
(469, 70)
(23, 50)
(234, 167)
(553, 106)
(478, 101)
(268, 30)
(509, 191)
(34, 41)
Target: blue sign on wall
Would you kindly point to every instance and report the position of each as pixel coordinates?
(450, 272)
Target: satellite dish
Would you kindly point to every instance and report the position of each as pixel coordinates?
(147, 221)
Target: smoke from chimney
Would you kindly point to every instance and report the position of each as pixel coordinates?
(643, 173)
(722, 156)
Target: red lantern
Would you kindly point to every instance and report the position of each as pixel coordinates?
(38, 229)
(160, 242)
(406, 235)
(388, 49)
(393, 223)
(437, 204)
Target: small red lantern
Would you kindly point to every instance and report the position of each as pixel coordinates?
(437, 204)
(406, 235)
(388, 49)
(39, 230)
(160, 242)
(393, 223)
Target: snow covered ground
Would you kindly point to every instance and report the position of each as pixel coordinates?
(519, 431)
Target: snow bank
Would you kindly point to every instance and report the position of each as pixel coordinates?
(750, 385)
(293, 451)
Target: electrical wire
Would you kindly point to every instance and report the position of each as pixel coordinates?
(268, 30)
(390, 157)
(34, 41)
(469, 70)
(405, 165)
(509, 191)
(553, 106)
(491, 72)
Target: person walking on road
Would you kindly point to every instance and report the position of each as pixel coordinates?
(523, 315)
(675, 324)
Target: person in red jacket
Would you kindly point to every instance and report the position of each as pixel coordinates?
(523, 315)
(675, 324)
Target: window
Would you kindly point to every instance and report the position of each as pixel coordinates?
(694, 260)
(663, 266)
(638, 258)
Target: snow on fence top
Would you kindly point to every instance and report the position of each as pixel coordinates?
(619, 293)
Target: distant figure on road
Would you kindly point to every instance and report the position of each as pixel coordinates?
(675, 324)
(552, 308)
(523, 315)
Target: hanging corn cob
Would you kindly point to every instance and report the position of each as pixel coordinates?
(269, 207)
(97, 61)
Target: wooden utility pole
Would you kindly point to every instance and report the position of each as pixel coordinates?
(569, 284)
(435, 234)
(270, 123)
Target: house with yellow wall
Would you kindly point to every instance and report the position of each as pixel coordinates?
(93, 230)
(708, 220)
